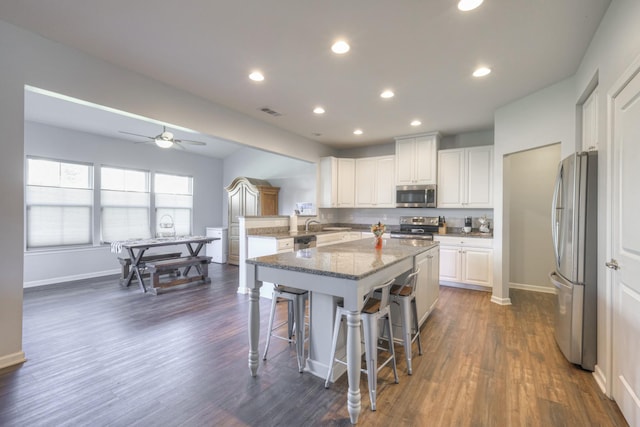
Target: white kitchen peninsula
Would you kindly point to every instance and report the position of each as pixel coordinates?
(346, 270)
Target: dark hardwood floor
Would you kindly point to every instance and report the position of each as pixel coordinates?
(101, 355)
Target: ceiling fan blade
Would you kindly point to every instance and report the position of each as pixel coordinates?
(135, 134)
(188, 141)
(177, 144)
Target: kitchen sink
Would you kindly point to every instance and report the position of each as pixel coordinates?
(336, 228)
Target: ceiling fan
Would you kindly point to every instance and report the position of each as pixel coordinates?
(166, 139)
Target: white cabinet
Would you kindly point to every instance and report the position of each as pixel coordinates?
(465, 177)
(261, 246)
(416, 159)
(374, 182)
(427, 290)
(590, 122)
(336, 183)
(466, 260)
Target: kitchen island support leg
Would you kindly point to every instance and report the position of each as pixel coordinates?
(354, 365)
(254, 329)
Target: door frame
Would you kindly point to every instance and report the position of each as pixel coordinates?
(620, 84)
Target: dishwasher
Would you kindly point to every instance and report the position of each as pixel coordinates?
(304, 242)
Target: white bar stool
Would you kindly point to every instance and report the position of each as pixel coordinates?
(296, 306)
(372, 312)
(405, 296)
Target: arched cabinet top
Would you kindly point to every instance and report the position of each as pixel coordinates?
(250, 182)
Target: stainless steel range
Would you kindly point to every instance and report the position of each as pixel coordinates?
(416, 227)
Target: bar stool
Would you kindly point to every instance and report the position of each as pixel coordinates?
(405, 296)
(296, 305)
(372, 312)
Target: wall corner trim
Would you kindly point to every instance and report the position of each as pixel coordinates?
(500, 301)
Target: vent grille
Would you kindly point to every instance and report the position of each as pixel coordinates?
(270, 111)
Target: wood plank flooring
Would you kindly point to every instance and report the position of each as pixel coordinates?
(101, 355)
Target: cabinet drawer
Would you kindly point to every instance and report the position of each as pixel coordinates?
(285, 244)
(477, 242)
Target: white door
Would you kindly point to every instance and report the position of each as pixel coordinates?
(479, 177)
(625, 236)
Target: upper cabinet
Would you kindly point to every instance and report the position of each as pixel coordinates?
(336, 183)
(590, 122)
(416, 159)
(465, 177)
(375, 182)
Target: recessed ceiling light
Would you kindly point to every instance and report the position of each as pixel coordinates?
(416, 123)
(467, 5)
(481, 72)
(318, 110)
(387, 94)
(256, 76)
(340, 47)
(357, 132)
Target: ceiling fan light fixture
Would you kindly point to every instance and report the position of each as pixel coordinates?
(163, 143)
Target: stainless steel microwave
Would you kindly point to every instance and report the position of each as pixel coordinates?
(416, 196)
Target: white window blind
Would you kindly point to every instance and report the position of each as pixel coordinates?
(59, 203)
(174, 203)
(125, 204)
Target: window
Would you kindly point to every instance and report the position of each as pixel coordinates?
(174, 203)
(59, 203)
(125, 201)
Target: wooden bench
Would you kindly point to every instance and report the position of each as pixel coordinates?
(125, 263)
(182, 265)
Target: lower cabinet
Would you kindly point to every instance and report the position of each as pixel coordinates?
(260, 246)
(427, 290)
(466, 260)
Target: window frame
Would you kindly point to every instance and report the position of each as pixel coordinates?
(27, 206)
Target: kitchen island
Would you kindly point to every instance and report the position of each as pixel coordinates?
(345, 271)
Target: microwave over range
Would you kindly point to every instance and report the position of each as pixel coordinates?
(416, 196)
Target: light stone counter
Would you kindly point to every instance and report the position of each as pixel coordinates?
(351, 260)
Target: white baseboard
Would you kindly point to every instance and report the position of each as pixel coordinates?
(534, 288)
(500, 301)
(12, 359)
(601, 380)
(63, 279)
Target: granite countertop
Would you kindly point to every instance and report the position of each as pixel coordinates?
(350, 260)
(271, 234)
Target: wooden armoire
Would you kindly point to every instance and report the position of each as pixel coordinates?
(248, 197)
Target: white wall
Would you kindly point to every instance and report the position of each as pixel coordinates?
(543, 118)
(45, 267)
(28, 59)
(531, 177)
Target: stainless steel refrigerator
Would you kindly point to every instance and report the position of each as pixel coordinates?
(575, 233)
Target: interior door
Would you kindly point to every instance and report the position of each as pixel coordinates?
(625, 246)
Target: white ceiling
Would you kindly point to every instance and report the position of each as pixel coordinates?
(425, 50)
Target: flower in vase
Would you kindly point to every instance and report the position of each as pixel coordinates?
(378, 229)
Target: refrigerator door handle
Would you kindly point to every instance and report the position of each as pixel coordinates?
(556, 212)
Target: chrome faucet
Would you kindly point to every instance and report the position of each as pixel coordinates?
(308, 222)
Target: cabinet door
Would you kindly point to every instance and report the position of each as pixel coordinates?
(366, 182)
(450, 263)
(479, 177)
(434, 277)
(327, 178)
(346, 182)
(385, 192)
(426, 159)
(477, 266)
(405, 162)
(450, 178)
(250, 202)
